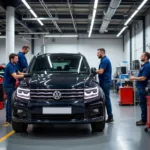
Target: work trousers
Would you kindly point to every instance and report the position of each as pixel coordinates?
(143, 103)
(9, 92)
(106, 89)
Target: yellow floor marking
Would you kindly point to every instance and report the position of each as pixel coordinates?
(6, 125)
(7, 136)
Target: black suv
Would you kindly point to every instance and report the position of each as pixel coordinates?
(60, 89)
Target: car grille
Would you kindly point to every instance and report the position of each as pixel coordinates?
(48, 93)
(57, 117)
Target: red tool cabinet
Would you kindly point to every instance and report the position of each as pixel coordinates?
(148, 114)
(126, 96)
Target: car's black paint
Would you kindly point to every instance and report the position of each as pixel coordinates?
(82, 110)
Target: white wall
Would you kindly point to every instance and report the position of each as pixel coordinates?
(127, 48)
(18, 45)
(88, 47)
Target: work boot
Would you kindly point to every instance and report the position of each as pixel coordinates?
(109, 120)
(140, 123)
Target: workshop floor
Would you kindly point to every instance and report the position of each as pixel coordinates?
(120, 135)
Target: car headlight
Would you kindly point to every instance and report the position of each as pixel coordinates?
(23, 93)
(91, 92)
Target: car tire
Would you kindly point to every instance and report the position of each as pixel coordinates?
(19, 127)
(99, 126)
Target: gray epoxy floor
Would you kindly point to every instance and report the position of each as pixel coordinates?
(120, 135)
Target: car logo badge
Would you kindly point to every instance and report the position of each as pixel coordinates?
(56, 95)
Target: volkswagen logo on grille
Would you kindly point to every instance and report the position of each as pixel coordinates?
(57, 95)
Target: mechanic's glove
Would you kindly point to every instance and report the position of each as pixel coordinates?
(28, 75)
(93, 71)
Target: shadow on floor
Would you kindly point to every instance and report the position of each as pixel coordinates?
(59, 132)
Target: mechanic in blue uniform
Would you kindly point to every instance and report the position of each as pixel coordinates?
(105, 73)
(141, 84)
(10, 75)
(22, 62)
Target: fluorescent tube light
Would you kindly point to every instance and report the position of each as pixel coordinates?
(95, 4)
(94, 13)
(124, 28)
(142, 4)
(62, 35)
(41, 23)
(131, 17)
(128, 21)
(33, 19)
(93, 17)
(33, 13)
(26, 4)
(136, 11)
(34, 33)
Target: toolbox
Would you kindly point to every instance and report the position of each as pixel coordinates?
(148, 114)
(126, 96)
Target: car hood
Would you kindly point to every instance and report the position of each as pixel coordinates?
(57, 81)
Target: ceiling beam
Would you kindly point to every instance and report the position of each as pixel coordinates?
(18, 20)
(74, 23)
(35, 19)
(6, 3)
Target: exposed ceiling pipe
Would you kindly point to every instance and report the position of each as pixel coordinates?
(74, 24)
(49, 14)
(114, 4)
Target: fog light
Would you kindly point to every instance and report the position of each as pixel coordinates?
(19, 111)
(96, 110)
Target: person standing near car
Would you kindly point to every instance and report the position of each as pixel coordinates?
(105, 72)
(22, 61)
(10, 75)
(142, 82)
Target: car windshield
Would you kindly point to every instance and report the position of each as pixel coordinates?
(59, 63)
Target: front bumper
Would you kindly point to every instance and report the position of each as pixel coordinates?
(30, 112)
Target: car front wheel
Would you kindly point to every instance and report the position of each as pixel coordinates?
(98, 126)
(19, 127)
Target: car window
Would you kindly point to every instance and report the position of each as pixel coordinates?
(59, 63)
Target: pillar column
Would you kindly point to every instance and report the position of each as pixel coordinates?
(10, 31)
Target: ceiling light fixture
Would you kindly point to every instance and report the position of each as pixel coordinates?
(132, 16)
(32, 12)
(69, 35)
(40, 22)
(26, 4)
(123, 29)
(93, 17)
(136, 11)
(32, 19)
